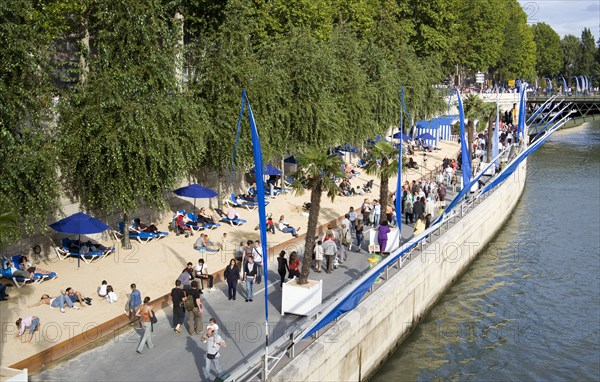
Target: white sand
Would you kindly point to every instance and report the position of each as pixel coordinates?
(155, 266)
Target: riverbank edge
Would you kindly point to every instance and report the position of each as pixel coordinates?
(361, 341)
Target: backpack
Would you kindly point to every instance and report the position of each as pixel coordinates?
(188, 304)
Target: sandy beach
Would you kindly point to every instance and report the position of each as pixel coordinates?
(154, 266)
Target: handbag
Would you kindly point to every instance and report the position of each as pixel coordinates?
(153, 318)
(211, 356)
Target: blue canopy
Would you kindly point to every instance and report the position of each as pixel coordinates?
(195, 191)
(400, 135)
(426, 136)
(423, 124)
(79, 224)
(291, 159)
(268, 170)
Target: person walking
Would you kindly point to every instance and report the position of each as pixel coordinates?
(214, 343)
(232, 275)
(282, 267)
(145, 314)
(250, 271)
(135, 301)
(177, 295)
(329, 251)
(358, 230)
(346, 242)
(195, 314)
(319, 255)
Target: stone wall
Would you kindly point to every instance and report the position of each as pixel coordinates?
(361, 341)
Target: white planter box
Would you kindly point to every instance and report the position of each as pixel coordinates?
(13, 375)
(301, 299)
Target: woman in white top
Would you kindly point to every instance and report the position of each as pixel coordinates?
(111, 296)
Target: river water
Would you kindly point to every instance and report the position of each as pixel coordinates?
(528, 309)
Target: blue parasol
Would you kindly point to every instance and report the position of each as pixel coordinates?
(79, 224)
(426, 137)
(268, 170)
(400, 135)
(195, 191)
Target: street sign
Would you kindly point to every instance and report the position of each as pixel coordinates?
(479, 78)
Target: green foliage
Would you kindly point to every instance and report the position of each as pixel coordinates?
(570, 46)
(517, 58)
(10, 229)
(586, 63)
(548, 53)
(27, 157)
(129, 135)
(481, 33)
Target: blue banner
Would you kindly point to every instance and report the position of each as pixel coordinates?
(260, 187)
(464, 144)
(565, 88)
(399, 180)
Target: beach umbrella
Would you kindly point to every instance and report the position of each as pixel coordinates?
(291, 159)
(426, 137)
(400, 135)
(268, 170)
(195, 191)
(79, 224)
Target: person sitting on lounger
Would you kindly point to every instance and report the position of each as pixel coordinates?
(232, 214)
(286, 228)
(16, 272)
(137, 223)
(204, 217)
(25, 265)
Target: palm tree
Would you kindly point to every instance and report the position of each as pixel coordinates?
(489, 113)
(382, 161)
(9, 228)
(473, 105)
(316, 171)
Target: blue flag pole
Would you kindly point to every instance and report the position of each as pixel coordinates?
(464, 145)
(262, 219)
(399, 180)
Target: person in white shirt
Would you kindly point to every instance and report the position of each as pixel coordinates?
(257, 253)
(201, 271)
(102, 292)
(232, 214)
(111, 296)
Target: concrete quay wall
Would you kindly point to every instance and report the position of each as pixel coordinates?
(354, 347)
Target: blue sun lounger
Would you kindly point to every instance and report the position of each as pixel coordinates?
(90, 253)
(19, 281)
(142, 236)
(248, 204)
(198, 227)
(225, 219)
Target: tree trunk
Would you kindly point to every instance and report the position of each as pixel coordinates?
(179, 22)
(311, 230)
(384, 193)
(470, 138)
(84, 50)
(220, 191)
(490, 136)
(126, 241)
(282, 185)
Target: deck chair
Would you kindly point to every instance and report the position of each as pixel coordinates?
(141, 236)
(199, 227)
(225, 219)
(20, 281)
(91, 253)
(249, 205)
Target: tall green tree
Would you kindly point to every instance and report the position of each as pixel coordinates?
(570, 46)
(587, 53)
(316, 172)
(382, 161)
(129, 135)
(480, 33)
(29, 185)
(517, 59)
(548, 53)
